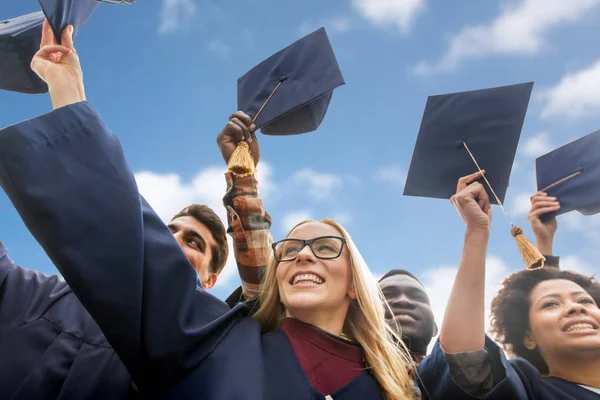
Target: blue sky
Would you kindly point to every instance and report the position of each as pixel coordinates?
(163, 75)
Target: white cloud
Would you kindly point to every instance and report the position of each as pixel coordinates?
(334, 25)
(574, 263)
(175, 15)
(168, 194)
(576, 95)
(537, 145)
(320, 184)
(587, 225)
(521, 204)
(438, 283)
(393, 174)
(398, 13)
(219, 47)
(293, 218)
(520, 29)
(264, 177)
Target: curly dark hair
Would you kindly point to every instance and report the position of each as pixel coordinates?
(510, 309)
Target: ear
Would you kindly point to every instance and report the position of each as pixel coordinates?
(210, 281)
(352, 292)
(528, 342)
(435, 329)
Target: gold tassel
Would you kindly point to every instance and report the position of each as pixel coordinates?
(531, 255)
(241, 162)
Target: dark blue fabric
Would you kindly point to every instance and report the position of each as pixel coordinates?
(489, 121)
(516, 379)
(50, 347)
(581, 193)
(67, 176)
(19, 41)
(309, 73)
(61, 13)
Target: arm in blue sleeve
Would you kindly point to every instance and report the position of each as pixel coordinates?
(25, 295)
(66, 174)
(439, 383)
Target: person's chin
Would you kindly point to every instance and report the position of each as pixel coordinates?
(304, 301)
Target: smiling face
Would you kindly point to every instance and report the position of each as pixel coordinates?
(309, 283)
(564, 319)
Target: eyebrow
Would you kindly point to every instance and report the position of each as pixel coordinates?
(174, 228)
(555, 295)
(411, 291)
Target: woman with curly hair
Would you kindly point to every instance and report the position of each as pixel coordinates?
(549, 319)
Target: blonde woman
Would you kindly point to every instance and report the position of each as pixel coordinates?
(66, 174)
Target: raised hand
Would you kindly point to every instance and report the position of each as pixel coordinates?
(472, 202)
(58, 65)
(544, 232)
(239, 128)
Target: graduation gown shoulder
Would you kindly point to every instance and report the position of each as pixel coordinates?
(66, 174)
(50, 346)
(513, 379)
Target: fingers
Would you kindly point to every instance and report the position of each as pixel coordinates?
(542, 204)
(53, 52)
(235, 131)
(476, 192)
(245, 118)
(47, 35)
(244, 128)
(67, 37)
(466, 180)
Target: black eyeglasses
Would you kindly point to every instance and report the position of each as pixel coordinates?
(323, 247)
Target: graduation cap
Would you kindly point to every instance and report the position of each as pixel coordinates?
(466, 132)
(571, 173)
(61, 13)
(20, 39)
(288, 93)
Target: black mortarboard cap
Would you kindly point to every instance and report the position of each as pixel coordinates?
(19, 41)
(61, 13)
(571, 173)
(488, 121)
(305, 75)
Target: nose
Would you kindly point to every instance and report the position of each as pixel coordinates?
(305, 255)
(576, 308)
(403, 301)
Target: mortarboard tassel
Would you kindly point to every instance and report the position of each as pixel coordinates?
(241, 162)
(531, 255)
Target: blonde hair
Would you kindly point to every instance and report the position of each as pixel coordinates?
(385, 354)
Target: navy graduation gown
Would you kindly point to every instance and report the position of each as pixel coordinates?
(50, 347)
(514, 379)
(66, 174)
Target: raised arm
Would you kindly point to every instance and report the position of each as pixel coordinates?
(544, 232)
(66, 174)
(249, 223)
(463, 328)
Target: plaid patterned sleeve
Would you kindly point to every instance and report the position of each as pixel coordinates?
(250, 227)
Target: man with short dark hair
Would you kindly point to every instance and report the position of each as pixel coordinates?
(200, 233)
(411, 310)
